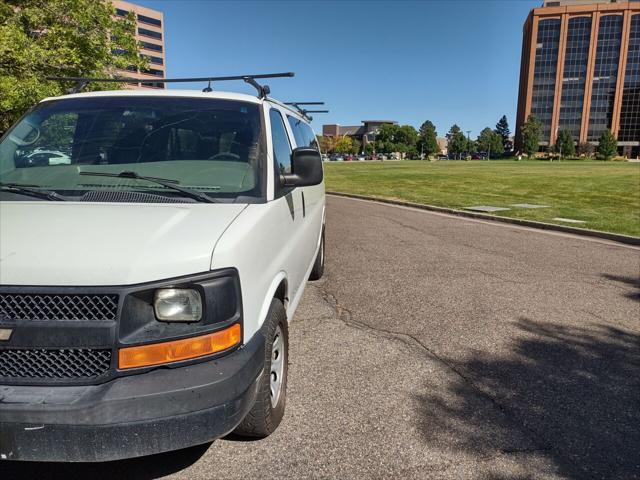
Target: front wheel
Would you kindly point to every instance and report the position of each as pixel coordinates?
(318, 267)
(268, 409)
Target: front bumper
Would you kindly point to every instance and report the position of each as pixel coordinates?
(157, 411)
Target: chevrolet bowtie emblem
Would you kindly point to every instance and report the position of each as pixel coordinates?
(5, 334)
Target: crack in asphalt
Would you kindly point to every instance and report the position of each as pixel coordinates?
(345, 315)
(410, 227)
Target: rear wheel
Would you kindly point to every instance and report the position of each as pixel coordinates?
(268, 409)
(318, 267)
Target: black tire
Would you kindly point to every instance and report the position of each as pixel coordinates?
(318, 267)
(264, 417)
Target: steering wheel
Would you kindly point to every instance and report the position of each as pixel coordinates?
(229, 155)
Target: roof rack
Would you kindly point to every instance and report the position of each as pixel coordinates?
(303, 111)
(295, 104)
(263, 90)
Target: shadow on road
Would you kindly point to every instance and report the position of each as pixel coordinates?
(631, 281)
(142, 468)
(570, 394)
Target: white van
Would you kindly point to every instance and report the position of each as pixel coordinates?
(146, 283)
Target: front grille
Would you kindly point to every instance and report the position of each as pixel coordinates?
(58, 307)
(54, 364)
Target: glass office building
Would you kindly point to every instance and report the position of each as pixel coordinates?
(150, 35)
(580, 71)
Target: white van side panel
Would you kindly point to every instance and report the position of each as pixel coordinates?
(256, 245)
(274, 241)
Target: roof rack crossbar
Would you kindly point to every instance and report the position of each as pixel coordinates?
(303, 111)
(303, 103)
(263, 90)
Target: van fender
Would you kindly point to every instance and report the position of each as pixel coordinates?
(271, 292)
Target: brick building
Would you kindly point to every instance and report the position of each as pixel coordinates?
(150, 34)
(364, 133)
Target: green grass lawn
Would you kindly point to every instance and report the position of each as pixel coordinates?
(606, 195)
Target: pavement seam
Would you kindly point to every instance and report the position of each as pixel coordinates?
(411, 341)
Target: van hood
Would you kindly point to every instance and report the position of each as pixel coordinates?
(90, 244)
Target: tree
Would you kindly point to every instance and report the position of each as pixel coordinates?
(386, 133)
(73, 38)
(356, 146)
(395, 138)
(608, 146)
(343, 145)
(326, 143)
(407, 136)
(565, 144)
(531, 134)
(502, 129)
(427, 142)
(458, 143)
(587, 149)
(490, 142)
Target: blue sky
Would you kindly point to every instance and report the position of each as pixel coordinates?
(443, 60)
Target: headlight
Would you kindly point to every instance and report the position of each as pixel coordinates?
(178, 305)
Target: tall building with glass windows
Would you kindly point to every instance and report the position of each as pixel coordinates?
(150, 35)
(580, 71)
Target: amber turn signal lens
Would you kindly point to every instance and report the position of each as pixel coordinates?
(177, 350)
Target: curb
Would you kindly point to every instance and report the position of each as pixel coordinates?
(585, 232)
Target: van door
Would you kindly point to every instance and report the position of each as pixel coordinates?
(312, 197)
(289, 206)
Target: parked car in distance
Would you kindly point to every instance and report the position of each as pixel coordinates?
(39, 157)
(149, 277)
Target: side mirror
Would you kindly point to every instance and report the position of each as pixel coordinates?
(306, 168)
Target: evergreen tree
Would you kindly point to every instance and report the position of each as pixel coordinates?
(565, 144)
(426, 127)
(531, 134)
(608, 146)
(427, 139)
(458, 143)
(502, 129)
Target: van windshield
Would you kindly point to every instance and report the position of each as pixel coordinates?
(212, 146)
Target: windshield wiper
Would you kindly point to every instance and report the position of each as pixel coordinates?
(165, 182)
(33, 192)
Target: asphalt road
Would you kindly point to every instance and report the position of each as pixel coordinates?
(444, 347)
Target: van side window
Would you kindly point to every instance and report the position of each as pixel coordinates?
(302, 132)
(281, 145)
